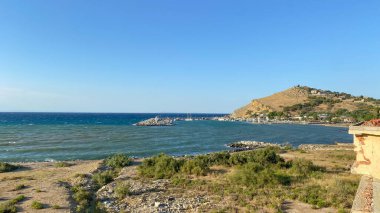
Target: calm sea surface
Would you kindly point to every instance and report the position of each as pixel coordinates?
(70, 136)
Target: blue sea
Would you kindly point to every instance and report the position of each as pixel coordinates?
(71, 136)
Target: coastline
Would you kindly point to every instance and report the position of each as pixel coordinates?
(342, 125)
(51, 184)
(239, 146)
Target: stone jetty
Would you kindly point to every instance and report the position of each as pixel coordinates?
(251, 145)
(156, 122)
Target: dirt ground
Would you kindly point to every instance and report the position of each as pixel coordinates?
(43, 183)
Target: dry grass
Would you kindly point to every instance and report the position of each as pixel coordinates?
(229, 199)
(331, 159)
(42, 181)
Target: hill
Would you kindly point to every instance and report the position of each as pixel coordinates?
(311, 104)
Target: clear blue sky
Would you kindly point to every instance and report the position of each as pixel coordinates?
(181, 56)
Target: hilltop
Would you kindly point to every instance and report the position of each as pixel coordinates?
(308, 103)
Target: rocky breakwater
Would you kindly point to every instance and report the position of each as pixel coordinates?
(252, 145)
(156, 122)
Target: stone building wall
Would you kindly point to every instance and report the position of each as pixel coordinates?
(367, 148)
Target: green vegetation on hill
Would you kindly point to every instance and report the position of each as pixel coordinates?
(311, 103)
(362, 113)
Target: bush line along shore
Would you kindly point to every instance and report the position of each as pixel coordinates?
(264, 179)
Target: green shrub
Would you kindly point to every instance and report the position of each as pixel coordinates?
(341, 210)
(343, 192)
(265, 156)
(118, 161)
(18, 199)
(100, 208)
(19, 187)
(237, 159)
(304, 167)
(256, 175)
(219, 158)
(314, 194)
(103, 178)
(181, 181)
(82, 197)
(197, 166)
(160, 166)
(6, 167)
(340, 194)
(164, 166)
(248, 173)
(37, 205)
(9, 206)
(122, 189)
(56, 207)
(62, 164)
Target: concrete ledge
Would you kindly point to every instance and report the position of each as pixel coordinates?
(364, 130)
(376, 195)
(363, 202)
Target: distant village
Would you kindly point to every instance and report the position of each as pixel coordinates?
(265, 119)
(317, 107)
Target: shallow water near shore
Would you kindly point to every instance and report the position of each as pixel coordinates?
(84, 136)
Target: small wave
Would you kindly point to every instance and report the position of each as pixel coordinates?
(30, 124)
(49, 160)
(12, 142)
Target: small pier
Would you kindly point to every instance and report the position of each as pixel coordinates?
(156, 122)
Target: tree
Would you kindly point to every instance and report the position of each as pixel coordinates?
(377, 112)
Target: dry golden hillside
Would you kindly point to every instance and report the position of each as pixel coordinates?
(275, 102)
(303, 100)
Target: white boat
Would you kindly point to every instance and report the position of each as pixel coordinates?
(189, 118)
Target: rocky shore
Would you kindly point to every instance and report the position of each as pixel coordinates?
(150, 196)
(156, 122)
(316, 147)
(252, 145)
